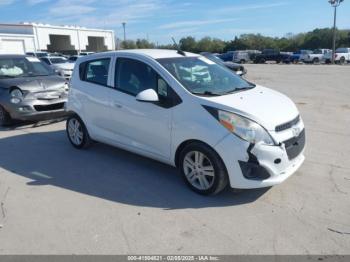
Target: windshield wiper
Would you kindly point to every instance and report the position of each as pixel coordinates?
(238, 89)
(8, 76)
(206, 93)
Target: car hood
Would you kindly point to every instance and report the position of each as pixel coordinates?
(34, 84)
(267, 107)
(64, 66)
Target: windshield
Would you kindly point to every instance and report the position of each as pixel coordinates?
(58, 60)
(214, 58)
(342, 50)
(23, 67)
(41, 54)
(305, 52)
(202, 76)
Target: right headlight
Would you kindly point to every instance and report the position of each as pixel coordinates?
(16, 96)
(245, 128)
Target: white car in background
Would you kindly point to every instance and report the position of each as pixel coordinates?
(187, 111)
(62, 66)
(317, 56)
(38, 54)
(74, 58)
(86, 53)
(342, 56)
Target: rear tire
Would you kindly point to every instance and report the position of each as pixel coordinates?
(202, 168)
(5, 118)
(77, 132)
(316, 61)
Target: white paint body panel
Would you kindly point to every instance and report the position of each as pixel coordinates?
(117, 118)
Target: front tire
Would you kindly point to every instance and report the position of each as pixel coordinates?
(5, 118)
(342, 61)
(203, 170)
(316, 61)
(77, 132)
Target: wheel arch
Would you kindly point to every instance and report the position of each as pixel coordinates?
(186, 143)
(73, 113)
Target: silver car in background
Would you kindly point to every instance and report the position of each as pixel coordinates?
(29, 90)
(61, 65)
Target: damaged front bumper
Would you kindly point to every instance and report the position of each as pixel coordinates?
(35, 109)
(260, 165)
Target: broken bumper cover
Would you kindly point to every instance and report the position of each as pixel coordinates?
(259, 165)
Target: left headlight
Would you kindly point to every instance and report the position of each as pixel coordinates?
(16, 96)
(245, 128)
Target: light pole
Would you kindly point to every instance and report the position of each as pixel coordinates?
(124, 25)
(335, 4)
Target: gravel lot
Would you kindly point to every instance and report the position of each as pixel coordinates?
(57, 200)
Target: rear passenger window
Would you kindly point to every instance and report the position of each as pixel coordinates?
(96, 71)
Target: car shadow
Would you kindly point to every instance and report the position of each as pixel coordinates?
(106, 172)
(18, 125)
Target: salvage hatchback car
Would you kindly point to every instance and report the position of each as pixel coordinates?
(186, 111)
(29, 90)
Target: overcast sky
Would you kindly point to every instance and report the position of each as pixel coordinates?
(160, 19)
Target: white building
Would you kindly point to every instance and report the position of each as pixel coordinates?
(31, 37)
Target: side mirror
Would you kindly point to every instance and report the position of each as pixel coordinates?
(148, 95)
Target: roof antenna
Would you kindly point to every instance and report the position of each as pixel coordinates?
(179, 51)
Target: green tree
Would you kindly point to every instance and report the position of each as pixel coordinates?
(188, 44)
(128, 44)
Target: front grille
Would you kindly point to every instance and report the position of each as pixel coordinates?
(48, 95)
(43, 108)
(295, 145)
(287, 125)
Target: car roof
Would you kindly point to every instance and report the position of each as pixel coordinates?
(50, 57)
(157, 53)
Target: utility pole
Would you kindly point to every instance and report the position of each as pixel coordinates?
(124, 25)
(335, 4)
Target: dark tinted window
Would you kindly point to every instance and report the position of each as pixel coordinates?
(58, 60)
(45, 60)
(96, 71)
(133, 76)
(342, 50)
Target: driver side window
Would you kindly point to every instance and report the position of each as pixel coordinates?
(133, 77)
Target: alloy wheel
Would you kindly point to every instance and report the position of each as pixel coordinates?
(75, 131)
(198, 170)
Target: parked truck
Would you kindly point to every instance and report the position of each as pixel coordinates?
(317, 56)
(300, 56)
(342, 56)
(272, 55)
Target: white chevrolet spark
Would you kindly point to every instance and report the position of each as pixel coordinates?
(184, 110)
